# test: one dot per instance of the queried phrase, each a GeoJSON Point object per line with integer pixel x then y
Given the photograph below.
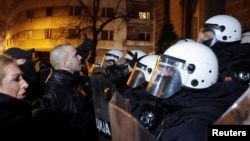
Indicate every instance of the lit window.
{"type": "Point", "coordinates": [107, 35]}
{"type": "Point", "coordinates": [144, 15]}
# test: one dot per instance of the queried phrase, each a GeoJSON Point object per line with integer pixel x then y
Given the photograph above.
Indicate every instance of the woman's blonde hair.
{"type": "Point", "coordinates": [5, 60]}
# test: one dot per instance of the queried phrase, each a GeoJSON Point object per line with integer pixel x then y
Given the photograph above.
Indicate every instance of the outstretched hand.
{"type": "Point", "coordinates": [133, 60]}
{"type": "Point", "coordinates": [85, 47]}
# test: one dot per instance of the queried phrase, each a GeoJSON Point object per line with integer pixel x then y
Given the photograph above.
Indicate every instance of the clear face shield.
{"type": "Point", "coordinates": [108, 60]}
{"type": "Point", "coordinates": [122, 61]}
{"type": "Point", "coordinates": [166, 78]}
{"type": "Point", "coordinates": [137, 77]}
{"type": "Point", "coordinates": [207, 35]}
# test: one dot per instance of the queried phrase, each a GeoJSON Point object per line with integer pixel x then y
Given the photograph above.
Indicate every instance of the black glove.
{"type": "Point", "coordinates": [87, 46]}
{"type": "Point", "coordinates": [133, 60]}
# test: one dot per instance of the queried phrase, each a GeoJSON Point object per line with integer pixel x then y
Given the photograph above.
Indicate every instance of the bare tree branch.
{"type": "Point", "coordinates": [97, 24]}
{"type": "Point", "coordinates": [86, 9]}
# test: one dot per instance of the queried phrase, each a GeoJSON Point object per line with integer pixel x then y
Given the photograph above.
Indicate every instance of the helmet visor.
{"type": "Point", "coordinates": [166, 78]}
{"type": "Point", "coordinates": [207, 37]}
{"type": "Point", "coordinates": [136, 79]}
{"type": "Point", "coordinates": [107, 60]}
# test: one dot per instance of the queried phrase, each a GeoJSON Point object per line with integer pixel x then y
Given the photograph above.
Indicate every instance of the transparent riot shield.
{"type": "Point", "coordinates": [238, 113]}
{"type": "Point", "coordinates": [124, 126]}
{"type": "Point", "coordinates": [102, 91]}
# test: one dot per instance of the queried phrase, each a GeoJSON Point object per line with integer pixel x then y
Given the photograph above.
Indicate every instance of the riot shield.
{"type": "Point", "coordinates": [102, 91]}
{"type": "Point", "coordinates": [238, 113]}
{"type": "Point", "coordinates": [124, 126]}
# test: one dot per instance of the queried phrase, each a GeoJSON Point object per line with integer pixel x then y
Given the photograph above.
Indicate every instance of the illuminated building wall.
{"type": "Point", "coordinates": [42, 24]}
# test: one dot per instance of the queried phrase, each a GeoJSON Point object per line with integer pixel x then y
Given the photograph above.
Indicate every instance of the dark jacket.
{"type": "Point", "coordinates": [16, 121]}
{"type": "Point", "coordinates": [198, 110]}
{"type": "Point", "coordinates": [186, 115]}
{"type": "Point", "coordinates": [228, 55]}
{"type": "Point", "coordinates": [68, 113]}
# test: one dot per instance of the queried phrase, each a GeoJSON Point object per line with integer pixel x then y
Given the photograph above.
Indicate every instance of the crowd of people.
{"type": "Point", "coordinates": [175, 95]}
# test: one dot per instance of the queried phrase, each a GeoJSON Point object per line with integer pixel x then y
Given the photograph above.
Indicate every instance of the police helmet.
{"type": "Point", "coordinates": [113, 55]}
{"type": "Point", "coordinates": [220, 28]}
{"type": "Point", "coordinates": [191, 65]}
{"type": "Point", "coordinates": [142, 71]}
{"type": "Point", "coordinates": [185, 40]}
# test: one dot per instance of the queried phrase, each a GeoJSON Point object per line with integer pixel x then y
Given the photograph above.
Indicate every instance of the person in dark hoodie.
{"type": "Point", "coordinates": [25, 62]}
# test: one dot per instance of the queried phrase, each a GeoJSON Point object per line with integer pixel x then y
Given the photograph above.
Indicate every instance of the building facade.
{"type": "Point", "coordinates": [140, 26]}
{"type": "Point", "coordinates": [42, 24]}
{"type": "Point", "coordinates": [188, 16]}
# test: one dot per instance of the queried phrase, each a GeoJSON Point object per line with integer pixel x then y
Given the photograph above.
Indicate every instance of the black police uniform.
{"type": "Point", "coordinates": [196, 111]}
{"type": "Point", "coordinates": [229, 55]}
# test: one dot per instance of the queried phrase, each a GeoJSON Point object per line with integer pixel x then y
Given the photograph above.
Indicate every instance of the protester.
{"type": "Point", "coordinates": [16, 121]}
{"type": "Point", "coordinates": [66, 112]}
{"type": "Point", "coordinates": [87, 50]}
{"type": "Point", "coordinates": [25, 62]}
{"type": "Point", "coordinates": [42, 66]}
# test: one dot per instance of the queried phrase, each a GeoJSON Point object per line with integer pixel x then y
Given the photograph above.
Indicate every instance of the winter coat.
{"type": "Point", "coordinates": [197, 110]}
{"type": "Point", "coordinates": [16, 121]}
{"type": "Point", "coordinates": [186, 115]}
{"type": "Point", "coordinates": [229, 55]}
{"type": "Point", "coordinates": [68, 113]}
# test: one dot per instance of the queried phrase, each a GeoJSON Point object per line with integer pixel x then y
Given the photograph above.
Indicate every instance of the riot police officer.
{"type": "Point", "coordinates": [144, 106]}
{"type": "Point", "coordinates": [222, 33]}
{"type": "Point", "coordinates": [185, 79]}
{"type": "Point", "coordinates": [183, 96]}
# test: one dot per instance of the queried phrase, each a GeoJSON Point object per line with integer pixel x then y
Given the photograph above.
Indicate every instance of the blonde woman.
{"type": "Point", "coordinates": [16, 120]}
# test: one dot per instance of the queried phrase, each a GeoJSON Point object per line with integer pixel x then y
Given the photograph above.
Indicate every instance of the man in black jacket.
{"type": "Point", "coordinates": [66, 111]}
